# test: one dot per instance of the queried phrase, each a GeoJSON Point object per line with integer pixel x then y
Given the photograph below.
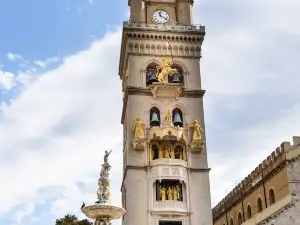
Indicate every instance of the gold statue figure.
{"type": "Point", "coordinates": [178, 192]}
{"type": "Point", "coordinates": [162, 191]}
{"type": "Point", "coordinates": [197, 130]}
{"type": "Point", "coordinates": [165, 70]}
{"type": "Point", "coordinates": [170, 193]}
{"type": "Point", "coordinates": [160, 153]}
{"type": "Point", "coordinates": [175, 193]}
{"type": "Point", "coordinates": [137, 128]}
{"type": "Point", "coordinates": [168, 116]}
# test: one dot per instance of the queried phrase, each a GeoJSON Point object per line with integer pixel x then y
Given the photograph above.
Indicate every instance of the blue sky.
{"type": "Point", "coordinates": [59, 63]}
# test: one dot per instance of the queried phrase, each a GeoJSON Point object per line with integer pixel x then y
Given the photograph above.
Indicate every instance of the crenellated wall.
{"type": "Point", "coordinates": [273, 173]}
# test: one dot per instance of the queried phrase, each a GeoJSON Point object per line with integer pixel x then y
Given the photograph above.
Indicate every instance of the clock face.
{"type": "Point", "coordinates": [160, 16]}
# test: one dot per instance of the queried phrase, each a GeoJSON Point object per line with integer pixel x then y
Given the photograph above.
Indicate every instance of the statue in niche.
{"type": "Point", "coordinates": [170, 193]}
{"type": "Point", "coordinates": [137, 128]}
{"type": "Point", "coordinates": [172, 153]}
{"type": "Point", "coordinates": [162, 191]}
{"type": "Point", "coordinates": [178, 192]}
{"type": "Point", "coordinates": [197, 130]}
{"type": "Point", "coordinates": [152, 154]}
{"type": "Point", "coordinates": [177, 153]}
{"type": "Point", "coordinates": [175, 193]}
{"type": "Point", "coordinates": [160, 153]}
{"type": "Point", "coordinates": [167, 152]}
{"type": "Point", "coordinates": [165, 70]}
{"type": "Point", "coordinates": [168, 116]}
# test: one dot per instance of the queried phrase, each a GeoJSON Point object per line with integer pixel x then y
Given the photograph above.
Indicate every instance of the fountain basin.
{"type": "Point", "coordinates": [103, 211]}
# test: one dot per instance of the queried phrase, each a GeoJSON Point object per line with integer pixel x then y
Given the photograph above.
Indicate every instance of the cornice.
{"type": "Point", "coordinates": [193, 169]}
{"type": "Point", "coordinates": [164, 35]}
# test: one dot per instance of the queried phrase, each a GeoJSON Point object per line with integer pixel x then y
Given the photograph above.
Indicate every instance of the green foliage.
{"type": "Point", "coordinates": [72, 220]}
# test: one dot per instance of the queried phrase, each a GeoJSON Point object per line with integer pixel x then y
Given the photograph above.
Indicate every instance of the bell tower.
{"type": "Point", "coordinates": [165, 170]}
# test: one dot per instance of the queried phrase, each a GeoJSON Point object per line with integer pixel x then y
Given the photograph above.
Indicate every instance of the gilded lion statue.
{"type": "Point", "coordinates": [165, 70]}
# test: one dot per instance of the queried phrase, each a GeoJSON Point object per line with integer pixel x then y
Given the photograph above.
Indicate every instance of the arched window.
{"type": "Point", "coordinates": [178, 77]}
{"type": "Point", "coordinates": [151, 73]}
{"type": "Point", "coordinates": [259, 205]}
{"type": "Point", "coordinates": [231, 222]}
{"type": "Point", "coordinates": [271, 196]}
{"type": "Point", "coordinates": [240, 219]}
{"type": "Point", "coordinates": [154, 117]}
{"type": "Point", "coordinates": [177, 117]}
{"type": "Point", "coordinates": [249, 212]}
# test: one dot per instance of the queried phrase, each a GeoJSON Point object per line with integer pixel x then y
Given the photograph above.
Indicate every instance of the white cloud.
{"type": "Point", "coordinates": [28, 210]}
{"type": "Point", "coordinates": [14, 56]}
{"type": "Point", "coordinates": [46, 62]}
{"type": "Point", "coordinates": [6, 80]}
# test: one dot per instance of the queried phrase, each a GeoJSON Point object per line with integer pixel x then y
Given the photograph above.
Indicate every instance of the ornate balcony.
{"type": "Point", "coordinates": [171, 162]}
{"type": "Point", "coordinates": [168, 133]}
{"type": "Point", "coordinates": [167, 207]}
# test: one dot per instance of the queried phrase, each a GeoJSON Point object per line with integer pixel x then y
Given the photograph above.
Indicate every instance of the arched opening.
{"type": "Point", "coordinates": [259, 205]}
{"type": "Point", "coordinates": [177, 77]}
{"type": "Point", "coordinates": [249, 212]}
{"type": "Point", "coordinates": [155, 152]}
{"type": "Point", "coordinates": [177, 117]}
{"type": "Point", "coordinates": [151, 73]}
{"type": "Point", "coordinates": [271, 196]}
{"type": "Point", "coordinates": [169, 190]}
{"type": "Point", "coordinates": [231, 222]}
{"type": "Point", "coordinates": [240, 219]}
{"type": "Point", "coordinates": [154, 117]}
{"type": "Point", "coordinates": [180, 152]}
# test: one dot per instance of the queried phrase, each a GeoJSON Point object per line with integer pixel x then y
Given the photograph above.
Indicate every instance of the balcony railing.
{"type": "Point", "coordinates": [175, 27]}
{"type": "Point", "coordinates": [170, 206]}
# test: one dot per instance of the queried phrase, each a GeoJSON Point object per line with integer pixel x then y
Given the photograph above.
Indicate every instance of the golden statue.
{"type": "Point", "coordinates": [162, 191]}
{"type": "Point", "coordinates": [168, 116]}
{"type": "Point", "coordinates": [175, 192]}
{"type": "Point", "coordinates": [197, 130]}
{"type": "Point", "coordinates": [172, 154]}
{"type": "Point", "coordinates": [167, 152]}
{"type": "Point", "coordinates": [160, 153]}
{"type": "Point", "coordinates": [170, 193]}
{"type": "Point", "coordinates": [178, 192]}
{"type": "Point", "coordinates": [137, 128]}
{"type": "Point", "coordinates": [165, 70]}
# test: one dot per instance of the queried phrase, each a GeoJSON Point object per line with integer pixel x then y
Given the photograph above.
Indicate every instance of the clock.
{"type": "Point", "coordinates": [160, 16]}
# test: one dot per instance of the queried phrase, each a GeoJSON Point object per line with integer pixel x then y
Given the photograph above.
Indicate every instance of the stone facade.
{"type": "Point", "coordinates": [269, 195]}
{"type": "Point", "coordinates": [144, 44]}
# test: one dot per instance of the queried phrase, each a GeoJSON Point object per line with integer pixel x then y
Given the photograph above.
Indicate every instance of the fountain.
{"type": "Point", "coordinates": [102, 211]}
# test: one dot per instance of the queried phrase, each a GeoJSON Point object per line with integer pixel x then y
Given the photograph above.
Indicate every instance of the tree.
{"type": "Point", "coordinates": [72, 220]}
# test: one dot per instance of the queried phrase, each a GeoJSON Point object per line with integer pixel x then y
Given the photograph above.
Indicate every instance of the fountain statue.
{"type": "Point", "coordinates": [102, 211]}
